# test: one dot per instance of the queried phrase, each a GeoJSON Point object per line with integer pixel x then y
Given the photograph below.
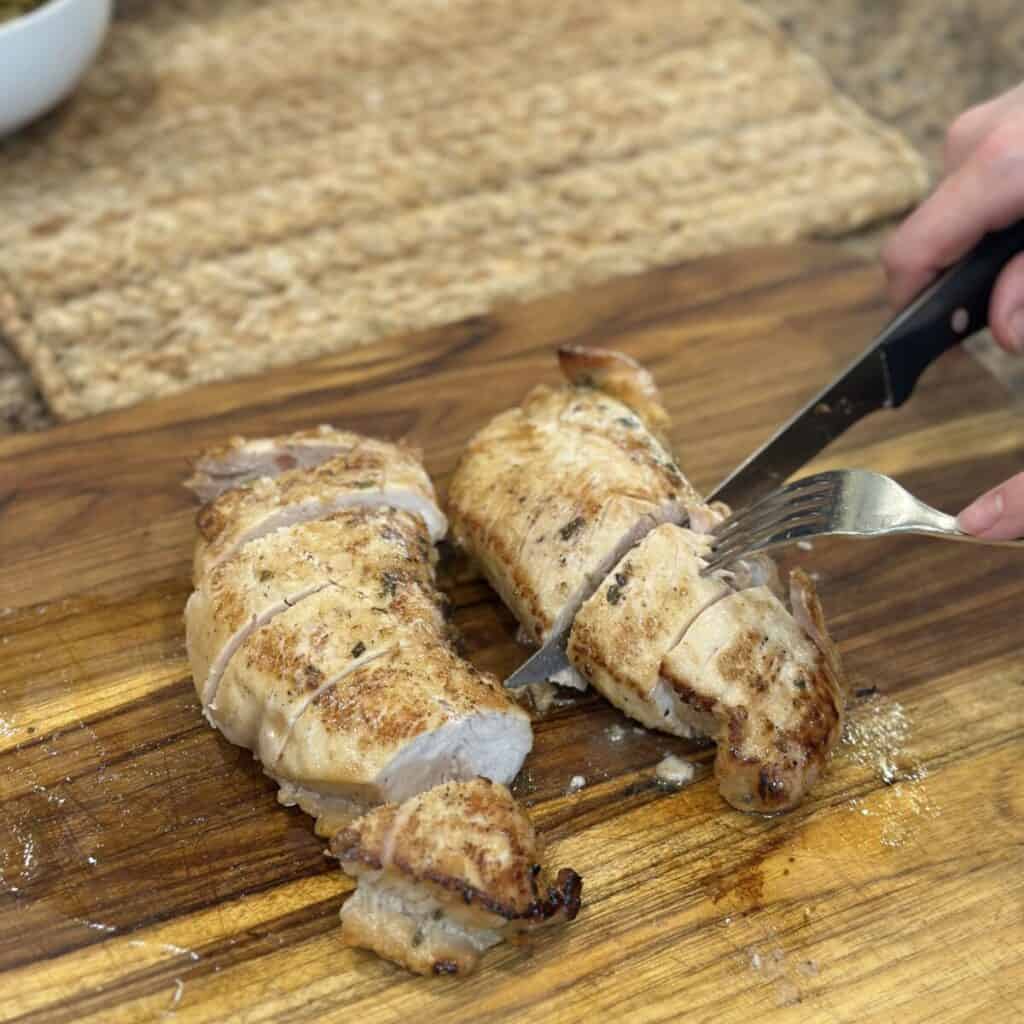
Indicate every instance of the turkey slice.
{"type": "Point", "coordinates": [372, 474]}
{"type": "Point", "coordinates": [445, 876]}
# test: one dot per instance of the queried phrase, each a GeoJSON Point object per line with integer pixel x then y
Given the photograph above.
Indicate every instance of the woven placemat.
{"type": "Point", "coordinates": [245, 184]}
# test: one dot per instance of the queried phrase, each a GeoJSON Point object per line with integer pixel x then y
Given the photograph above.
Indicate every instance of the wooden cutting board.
{"type": "Point", "coordinates": [147, 873]}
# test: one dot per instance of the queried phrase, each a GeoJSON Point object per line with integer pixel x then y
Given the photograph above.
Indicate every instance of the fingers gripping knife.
{"type": "Point", "coordinates": [951, 309]}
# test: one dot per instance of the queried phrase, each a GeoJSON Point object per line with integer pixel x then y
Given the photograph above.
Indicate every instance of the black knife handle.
{"type": "Point", "coordinates": [952, 308]}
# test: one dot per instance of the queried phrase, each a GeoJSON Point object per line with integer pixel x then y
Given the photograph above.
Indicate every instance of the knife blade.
{"type": "Point", "coordinates": [859, 390]}
{"type": "Point", "coordinates": [954, 307]}
{"type": "Point", "coordinates": [545, 664]}
{"type": "Point", "coordinates": [951, 309]}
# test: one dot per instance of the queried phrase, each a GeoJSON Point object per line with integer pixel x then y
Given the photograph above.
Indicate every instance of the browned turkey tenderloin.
{"type": "Point", "coordinates": [321, 645]}
{"type": "Point", "coordinates": [719, 656]}
{"type": "Point", "coordinates": [446, 875]}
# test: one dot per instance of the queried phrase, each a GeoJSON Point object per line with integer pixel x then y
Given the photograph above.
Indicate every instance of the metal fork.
{"type": "Point", "coordinates": [840, 503]}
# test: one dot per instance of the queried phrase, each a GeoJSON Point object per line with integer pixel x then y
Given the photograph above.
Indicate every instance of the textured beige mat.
{"type": "Point", "coordinates": [241, 184]}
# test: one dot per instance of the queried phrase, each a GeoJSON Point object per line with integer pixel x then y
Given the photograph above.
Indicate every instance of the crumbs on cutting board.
{"type": "Point", "coordinates": [18, 864]}
{"type": "Point", "coordinates": [96, 926]}
{"type": "Point", "coordinates": [877, 736]}
{"type": "Point", "coordinates": [179, 988]}
{"type": "Point", "coordinates": [674, 772]}
{"type": "Point", "coordinates": [769, 961]}
{"type": "Point", "coordinates": [615, 733]}
{"type": "Point", "coordinates": [576, 783]}
{"type": "Point", "coordinates": [876, 733]}
{"type": "Point", "coordinates": [167, 947]}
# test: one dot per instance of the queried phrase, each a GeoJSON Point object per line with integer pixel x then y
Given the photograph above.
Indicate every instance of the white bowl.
{"type": "Point", "coordinates": [44, 53]}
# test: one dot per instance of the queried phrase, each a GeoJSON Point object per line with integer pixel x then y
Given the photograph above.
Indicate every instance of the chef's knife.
{"type": "Point", "coordinates": [951, 309]}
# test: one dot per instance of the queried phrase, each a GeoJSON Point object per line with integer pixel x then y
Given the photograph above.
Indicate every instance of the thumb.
{"type": "Point", "coordinates": [998, 514]}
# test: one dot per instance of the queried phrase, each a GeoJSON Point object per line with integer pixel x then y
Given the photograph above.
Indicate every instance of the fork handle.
{"type": "Point", "coordinates": [947, 311]}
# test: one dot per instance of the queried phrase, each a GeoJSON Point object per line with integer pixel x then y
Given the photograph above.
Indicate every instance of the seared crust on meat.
{"type": "Point", "coordinates": [620, 376]}
{"type": "Point", "coordinates": [360, 737]}
{"type": "Point", "coordinates": [282, 666]}
{"type": "Point", "coordinates": [809, 614]}
{"type": "Point", "coordinates": [774, 698]}
{"type": "Point", "coordinates": [350, 549]}
{"type": "Point", "coordinates": [465, 857]}
{"type": "Point", "coordinates": [471, 838]}
{"type": "Point", "coordinates": [547, 496]}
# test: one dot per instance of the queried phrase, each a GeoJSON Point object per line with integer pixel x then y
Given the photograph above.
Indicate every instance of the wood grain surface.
{"type": "Point", "coordinates": [147, 873]}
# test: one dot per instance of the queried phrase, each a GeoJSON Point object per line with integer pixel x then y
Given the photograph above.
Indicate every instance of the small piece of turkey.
{"type": "Point", "coordinates": [243, 459]}
{"type": "Point", "coordinates": [364, 473]}
{"type": "Point", "coordinates": [445, 876]}
{"type": "Point", "coordinates": [547, 497]}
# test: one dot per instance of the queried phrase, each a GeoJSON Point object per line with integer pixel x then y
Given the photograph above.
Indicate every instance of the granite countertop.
{"type": "Point", "coordinates": [913, 63]}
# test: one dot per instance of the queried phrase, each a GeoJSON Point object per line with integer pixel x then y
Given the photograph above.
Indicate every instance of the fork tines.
{"type": "Point", "coordinates": [794, 511]}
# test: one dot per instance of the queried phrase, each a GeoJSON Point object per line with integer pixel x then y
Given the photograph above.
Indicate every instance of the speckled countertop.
{"type": "Point", "coordinates": [913, 63]}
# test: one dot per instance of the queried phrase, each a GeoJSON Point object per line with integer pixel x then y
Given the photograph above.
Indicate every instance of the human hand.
{"type": "Point", "coordinates": [998, 514]}
{"type": "Point", "coordinates": [982, 191]}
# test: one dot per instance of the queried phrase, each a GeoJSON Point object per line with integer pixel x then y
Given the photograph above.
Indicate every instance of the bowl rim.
{"type": "Point", "coordinates": [25, 21]}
